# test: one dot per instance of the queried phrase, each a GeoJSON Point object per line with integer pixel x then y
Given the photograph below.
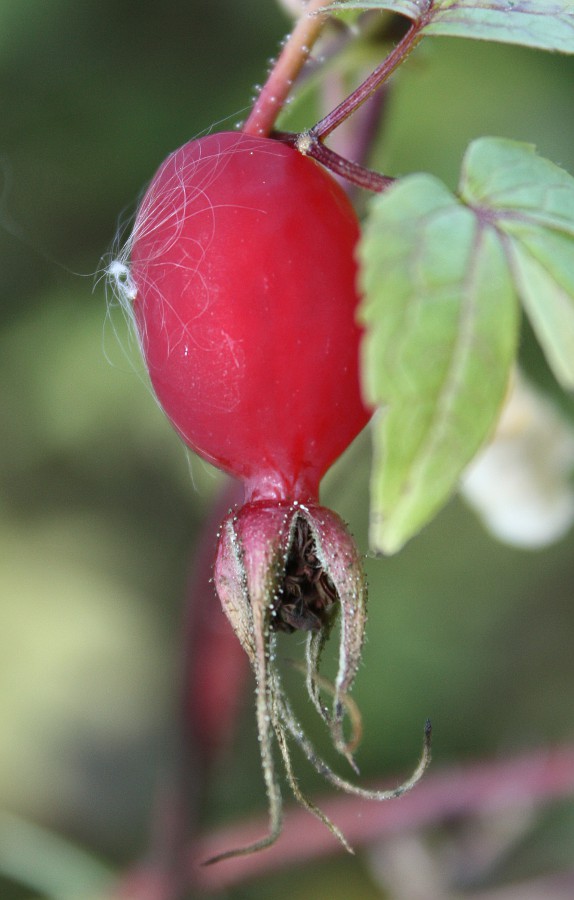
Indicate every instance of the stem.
{"type": "Point", "coordinates": [309, 145]}
{"type": "Point", "coordinates": [498, 786]}
{"type": "Point", "coordinates": [368, 125]}
{"type": "Point", "coordinates": [368, 87]}
{"type": "Point", "coordinates": [291, 60]}
{"type": "Point", "coordinates": [345, 168]}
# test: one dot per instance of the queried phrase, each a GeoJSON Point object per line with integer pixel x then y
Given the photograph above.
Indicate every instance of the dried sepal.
{"type": "Point", "coordinates": [290, 722]}
{"type": "Point", "coordinates": [340, 558]}
{"type": "Point", "coordinates": [354, 718]}
{"type": "Point", "coordinates": [232, 585]}
{"type": "Point", "coordinates": [249, 566]}
{"type": "Point", "coordinates": [287, 567]}
{"type": "Point", "coordinates": [315, 645]}
{"type": "Point", "coordinates": [281, 733]}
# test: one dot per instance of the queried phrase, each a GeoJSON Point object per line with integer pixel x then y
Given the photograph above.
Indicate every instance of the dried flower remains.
{"type": "Point", "coordinates": [292, 567]}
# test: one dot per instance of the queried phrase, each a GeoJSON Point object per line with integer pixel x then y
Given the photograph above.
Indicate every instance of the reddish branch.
{"type": "Point", "coordinates": [274, 93]}
{"type": "Point", "coordinates": [291, 60]}
{"type": "Point", "coordinates": [451, 794]}
{"type": "Point", "coordinates": [458, 792]}
{"type": "Point", "coordinates": [214, 675]}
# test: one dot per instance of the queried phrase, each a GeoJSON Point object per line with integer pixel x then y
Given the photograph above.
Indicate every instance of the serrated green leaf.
{"type": "Point", "coordinates": [441, 276]}
{"type": "Point", "coordinates": [508, 176]}
{"type": "Point", "coordinates": [544, 24]}
{"type": "Point", "coordinates": [531, 202]}
{"type": "Point", "coordinates": [441, 325]}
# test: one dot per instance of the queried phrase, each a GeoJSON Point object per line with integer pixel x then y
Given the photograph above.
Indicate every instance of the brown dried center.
{"type": "Point", "coordinates": [307, 595]}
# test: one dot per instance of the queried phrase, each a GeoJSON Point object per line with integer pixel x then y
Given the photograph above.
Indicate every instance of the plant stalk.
{"type": "Point", "coordinates": [292, 58]}
{"type": "Point", "coordinates": [372, 83]}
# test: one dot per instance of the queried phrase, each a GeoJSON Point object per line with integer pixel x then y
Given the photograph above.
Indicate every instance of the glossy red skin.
{"type": "Point", "coordinates": [243, 261]}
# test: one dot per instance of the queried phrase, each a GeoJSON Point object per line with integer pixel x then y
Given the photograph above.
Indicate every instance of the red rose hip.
{"type": "Point", "coordinates": [243, 282]}
{"type": "Point", "coordinates": [242, 261]}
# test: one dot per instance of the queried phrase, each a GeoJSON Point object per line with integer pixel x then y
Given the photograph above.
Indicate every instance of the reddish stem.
{"type": "Point", "coordinates": [356, 143]}
{"type": "Point", "coordinates": [311, 143]}
{"type": "Point", "coordinates": [276, 89]}
{"type": "Point", "coordinates": [368, 87]}
{"type": "Point", "coordinates": [352, 172]}
{"type": "Point", "coordinates": [214, 676]}
{"type": "Point", "coordinates": [482, 787]}
{"type": "Point", "coordinates": [288, 66]}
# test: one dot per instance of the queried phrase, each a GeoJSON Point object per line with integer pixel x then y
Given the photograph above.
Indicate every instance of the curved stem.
{"type": "Point", "coordinates": [368, 87]}
{"type": "Point", "coordinates": [290, 62]}
{"type": "Point", "coordinates": [494, 786]}
{"type": "Point", "coordinates": [309, 145]}
{"type": "Point", "coordinates": [353, 172]}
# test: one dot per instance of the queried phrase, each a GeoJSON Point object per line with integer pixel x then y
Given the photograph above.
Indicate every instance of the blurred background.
{"type": "Point", "coordinates": [101, 507]}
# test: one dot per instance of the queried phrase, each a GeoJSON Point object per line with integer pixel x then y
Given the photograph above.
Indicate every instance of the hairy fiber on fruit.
{"type": "Point", "coordinates": [242, 262]}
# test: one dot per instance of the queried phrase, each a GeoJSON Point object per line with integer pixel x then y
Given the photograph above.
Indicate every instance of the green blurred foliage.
{"type": "Point", "coordinates": [100, 506]}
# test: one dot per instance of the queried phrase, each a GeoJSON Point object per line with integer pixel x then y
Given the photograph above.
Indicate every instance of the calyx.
{"type": "Point", "coordinates": [294, 567]}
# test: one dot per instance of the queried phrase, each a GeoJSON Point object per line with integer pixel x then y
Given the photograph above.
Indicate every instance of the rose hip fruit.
{"type": "Point", "coordinates": [243, 282]}
{"type": "Point", "coordinates": [242, 261]}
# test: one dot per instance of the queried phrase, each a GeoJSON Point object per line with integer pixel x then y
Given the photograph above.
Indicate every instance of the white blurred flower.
{"type": "Point", "coordinates": [520, 484]}
{"type": "Point", "coordinates": [293, 7]}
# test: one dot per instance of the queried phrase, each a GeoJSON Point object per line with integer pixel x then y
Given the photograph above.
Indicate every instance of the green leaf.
{"type": "Point", "coordinates": [544, 24]}
{"type": "Point", "coordinates": [412, 9]}
{"type": "Point", "coordinates": [441, 277]}
{"type": "Point", "coordinates": [441, 323]}
{"type": "Point", "coordinates": [508, 175]}
{"type": "Point", "coordinates": [552, 319]}
{"type": "Point", "coordinates": [531, 200]}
